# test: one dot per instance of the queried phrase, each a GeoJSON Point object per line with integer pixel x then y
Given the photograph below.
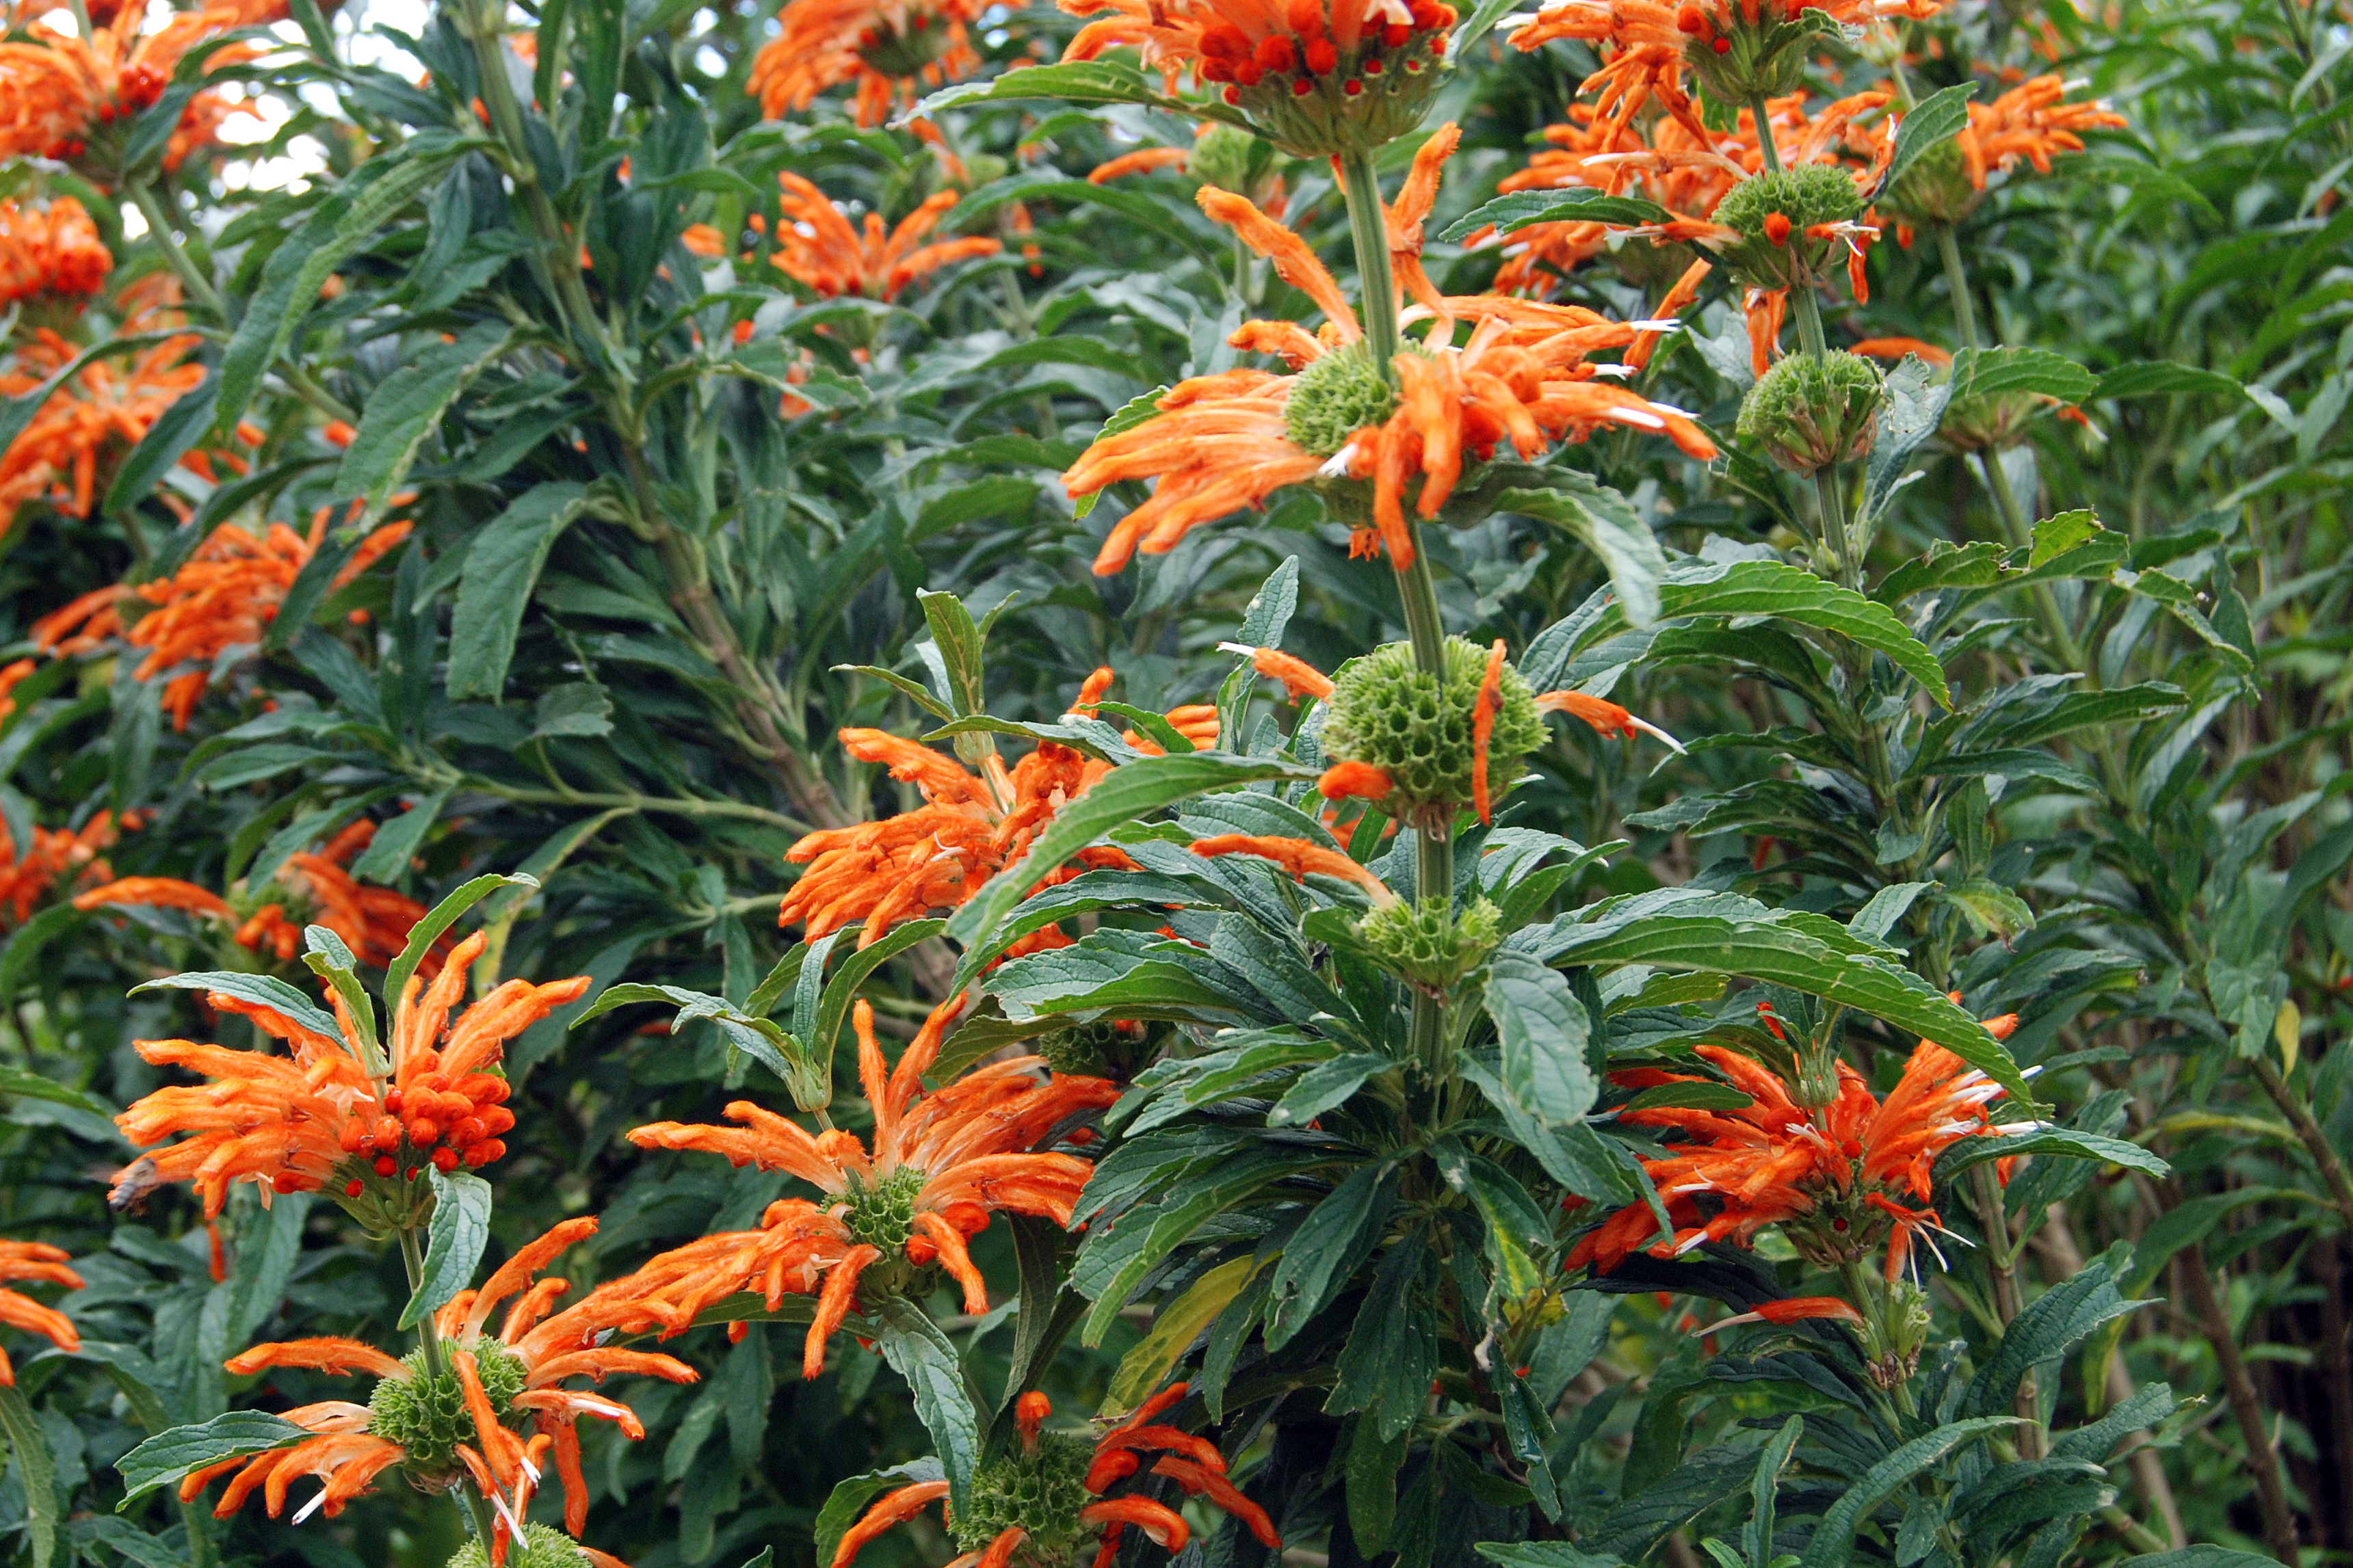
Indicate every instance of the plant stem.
{"type": "Point", "coordinates": [2001, 1271]}
{"type": "Point", "coordinates": [2279, 1523]}
{"type": "Point", "coordinates": [2308, 1132]}
{"type": "Point", "coordinates": [437, 1363]}
{"type": "Point", "coordinates": [1964, 315]}
{"type": "Point", "coordinates": [1417, 591]}
{"type": "Point", "coordinates": [160, 230]}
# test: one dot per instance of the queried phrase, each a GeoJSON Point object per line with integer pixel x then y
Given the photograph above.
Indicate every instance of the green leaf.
{"type": "Point", "coordinates": [387, 858]}
{"type": "Point", "coordinates": [1994, 373]}
{"type": "Point", "coordinates": [1334, 1240]}
{"type": "Point", "coordinates": [2158, 378]}
{"type": "Point", "coordinates": [327, 957]}
{"type": "Point", "coordinates": [439, 919]}
{"type": "Point", "coordinates": [1071, 81]}
{"type": "Point", "coordinates": [454, 1242]}
{"type": "Point", "coordinates": [274, 994]}
{"type": "Point", "coordinates": [25, 942]}
{"type": "Point", "coordinates": [166, 442]}
{"type": "Point", "coordinates": [840, 991]}
{"type": "Point", "coordinates": [30, 1085]}
{"type": "Point", "coordinates": [1609, 525]}
{"type": "Point", "coordinates": [168, 1455]}
{"type": "Point", "coordinates": [1127, 793]}
{"type": "Point", "coordinates": [918, 1352]}
{"type": "Point", "coordinates": [502, 567]}
{"type": "Point", "coordinates": [1833, 1539]}
{"type": "Point", "coordinates": [1174, 1328]}
{"type": "Point", "coordinates": [1374, 1462]}
{"type": "Point", "coordinates": [958, 640]}
{"type": "Point", "coordinates": [1931, 121]}
{"type": "Point", "coordinates": [1544, 1031]}
{"type": "Point", "coordinates": [2049, 1327]}
{"type": "Point", "coordinates": [1756, 1536]}
{"type": "Point", "coordinates": [853, 1494]}
{"type": "Point", "coordinates": [2200, 1557]}
{"type": "Point", "coordinates": [762, 1039]}
{"type": "Point", "coordinates": [36, 1469]}
{"type": "Point", "coordinates": [251, 764]}
{"type": "Point", "coordinates": [1522, 209]}
{"type": "Point", "coordinates": [406, 408]}
{"type": "Point", "coordinates": [2061, 1141]}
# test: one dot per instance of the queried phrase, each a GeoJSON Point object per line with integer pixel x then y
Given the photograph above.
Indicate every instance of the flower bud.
{"type": "Point", "coordinates": [1416, 728]}
{"type": "Point", "coordinates": [1937, 189]}
{"type": "Point", "coordinates": [1232, 159]}
{"type": "Point", "coordinates": [1773, 214]}
{"type": "Point", "coordinates": [1738, 54]}
{"type": "Point", "coordinates": [1430, 944]}
{"type": "Point", "coordinates": [1314, 98]}
{"type": "Point", "coordinates": [1808, 412]}
{"type": "Point", "coordinates": [1335, 396]}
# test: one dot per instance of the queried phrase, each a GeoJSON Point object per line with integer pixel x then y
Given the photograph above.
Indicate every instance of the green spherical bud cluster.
{"type": "Point", "coordinates": [541, 1546]}
{"type": "Point", "coordinates": [1108, 1048]}
{"type": "Point", "coordinates": [904, 54]}
{"type": "Point", "coordinates": [1735, 61]}
{"type": "Point", "coordinates": [1430, 943]}
{"type": "Point", "coordinates": [1041, 1492]}
{"type": "Point", "coordinates": [1771, 212]}
{"type": "Point", "coordinates": [426, 1414]}
{"type": "Point", "coordinates": [1987, 422]}
{"type": "Point", "coordinates": [1416, 727]}
{"type": "Point", "coordinates": [883, 1216]}
{"type": "Point", "coordinates": [1231, 159]}
{"type": "Point", "coordinates": [1935, 189]}
{"type": "Point", "coordinates": [1335, 397]}
{"type": "Point", "coordinates": [1808, 412]}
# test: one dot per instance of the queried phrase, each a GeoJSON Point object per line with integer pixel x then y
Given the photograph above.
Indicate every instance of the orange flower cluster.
{"type": "Point", "coordinates": [22, 1260]}
{"type": "Point", "coordinates": [818, 247]}
{"type": "Point", "coordinates": [1193, 1463]}
{"type": "Point", "coordinates": [57, 88]}
{"type": "Point", "coordinates": [941, 1163]}
{"type": "Point", "coordinates": [57, 455]}
{"type": "Point", "coordinates": [1224, 442]}
{"type": "Point", "coordinates": [1832, 1178]}
{"type": "Point", "coordinates": [2031, 122]}
{"type": "Point", "coordinates": [544, 1351]}
{"type": "Point", "coordinates": [374, 923]}
{"type": "Point", "coordinates": [57, 853]}
{"type": "Point", "coordinates": [317, 1116]}
{"type": "Point", "coordinates": [225, 596]}
{"type": "Point", "coordinates": [886, 47]}
{"type": "Point", "coordinates": [52, 250]}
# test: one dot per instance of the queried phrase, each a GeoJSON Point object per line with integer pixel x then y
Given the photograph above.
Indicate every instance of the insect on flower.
{"type": "Point", "coordinates": [441, 1414]}
{"type": "Point", "coordinates": [1038, 1505]}
{"type": "Point", "coordinates": [28, 1260]}
{"type": "Point", "coordinates": [939, 1164]}
{"type": "Point", "coordinates": [317, 1118]}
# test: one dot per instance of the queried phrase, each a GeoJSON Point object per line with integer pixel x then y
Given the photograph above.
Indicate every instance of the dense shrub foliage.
{"type": "Point", "coordinates": [1240, 780]}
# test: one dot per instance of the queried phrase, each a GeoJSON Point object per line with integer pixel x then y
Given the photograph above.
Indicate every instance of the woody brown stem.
{"type": "Point", "coordinates": [2197, 1285]}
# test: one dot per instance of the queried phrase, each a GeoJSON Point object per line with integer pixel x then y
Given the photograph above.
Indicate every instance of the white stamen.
{"type": "Point", "coordinates": [1671, 408]}
{"type": "Point", "coordinates": [1516, 21]}
{"type": "Point", "coordinates": [2075, 84]}
{"type": "Point", "coordinates": [1654, 733]}
{"type": "Point", "coordinates": [1669, 324]}
{"type": "Point", "coordinates": [1642, 418]}
{"type": "Point", "coordinates": [1242, 649]}
{"type": "Point", "coordinates": [1337, 465]}
{"type": "Point", "coordinates": [1617, 372]}
{"type": "Point", "coordinates": [308, 1508]}
{"type": "Point", "coordinates": [528, 1468]}
{"type": "Point", "coordinates": [515, 1525]}
{"type": "Point", "coordinates": [2010, 1129]}
{"type": "Point", "coordinates": [1698, 1239]}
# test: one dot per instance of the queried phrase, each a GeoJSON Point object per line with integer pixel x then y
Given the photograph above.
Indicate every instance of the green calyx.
{"type": "Point", "coordinates": [426, 1414]}
{"type": "Point", "coordinates": [891, 53]}
{"type": "Point", "coordinates": [1737, 61]}
{"type": "Point", "coordinates": [1108, 1048]}
{"type": "Point", "coordinates": [1335, 397]}
{"type": "Point", "coordinates": [1430, 943]}
{"type": "Point", "coordinates": [1039, 1491]}
{"type": "Point", "coordinates": [883, 1216]}
{"type": "Point", "coordinates": [1987, 422]}
{"type": "Point", "coordinates": [1416, 727]}
{"type": "Point", "coordinates": [1231, 159]}
{"type": "Point", "coordinates": [1935, 189]}
{"type": "Point", "coordinates": [1770, 255]}
{"type": "Point", "coordinates": [541, 1546]}
{"type": "Point", "coordinates": [1808, 412]}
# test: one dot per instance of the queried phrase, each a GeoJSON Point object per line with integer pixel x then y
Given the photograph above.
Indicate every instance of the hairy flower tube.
{"type": "Point", "coordinates": [2032, 122]}
{"type": "Point", "coordinates": [885, 46]}
{"type": "Point", "coordinates": [51, 251]}
{"type": "Point", "coordinates": [1038, 1505]}
{"type": "Point", "coordinates": [24, 1261]}
{"type": "Point", "coordinates": [1220, 444]}
{"type": "Point", "coordinates": [318, 1118]}
{"type": "Point", "coordinates": [937, 1167]}
{"type": "Point", "coordinates": [819, 248]}
{"type": "Point", "coordinates": [1836, 1179]}
{"type": "Point", "coordinates": [226, 596]}
{"type": "Point", "coordinates": [1319, 79]}
{"type": "Point", "coordinates": [373, 922]}
{"type": "Point", "coordinates": [442, 1414]}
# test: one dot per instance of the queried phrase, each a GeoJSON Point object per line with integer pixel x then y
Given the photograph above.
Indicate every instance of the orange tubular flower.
{"type": "Point", "coordinates": [1142, 161]}
{"type": "Point", "coordinates": [1833, 1178]}
{"type": "Point", "coordinates": [1299, 857]}
{"type": "Point", "coordinates": [54, 251]}
{"type": "Point", "coordinates": [817, 246]}
{"type": "Point", "coordinates": [1193, 1463]}
{"type": "Point", "coordinates": [25, 880]}
{"type": "Point", "coordinates": [940, 1164]}
{"type": "Point", "coordinates": [1795, 1309]}
{"type": "Point", "coordinates": [1299, 677]}
{"type": "Point", "coordinates": [318, 1117]}
{"type": "Point", "coordinates": [105, 407]}
{"type": "Point", "coordinates": [226, 596]}
{"type": "Point", "coordinates": [55, 88]}
{"type": "Point", "coordinates": [2029, 121]}
{"type": "Point", "coordinates": [1223, 443]}
{"type": "Point", "coordinates": [1603, 715]}
{"type": "Point", "coordinates": [1360, 780]}
{"type": "Point", "coordinates": [886, 47]}
{"type": "Point", "coordinates": [1896, 348]}
{"type": "Point", "coordinates": [493, 1380]}
{"type": "Point", "coordinates": [22, 1260]}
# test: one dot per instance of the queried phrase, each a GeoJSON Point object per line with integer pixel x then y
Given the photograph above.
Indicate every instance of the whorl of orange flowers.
{"type": "Point", "coordinates": [1193, 1463]}
{"type": "Point", "coordinates": [1835, 1179]}
{"type": "Point", "coordinates": [533, 1354]}
{"type": "Point", "coordinates": [317, 1117]}
{"type": "Point", "coordinates": [969, 827]}
{"type": "Point", "coordinates": [225, 596]}
{"type": "Point", "coordinates": [374, 923]}
{"type": "Point", "coordinates": [102, 408]}
{"type": "Point", "coordinates": [939, 1164]}
{"type": "Point", "coordinates": [57, 853]}
{"type": "Point", "coordinates": [1223, 443]}
{"type": "Point", "coordinates": [50, 250]}
{"type": "Point", "coordinates": [56, 88]}
{"type": "Point", "coordinates": [817, 246]}
{"type": "Point", "coordinates": [27, 1260]}
{"type": "Point", "coordinates": [886, 47]}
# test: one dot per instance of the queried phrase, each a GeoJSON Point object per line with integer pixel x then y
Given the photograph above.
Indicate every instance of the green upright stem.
{"type": "Point", "coordinates": [1434, 847]}
{"type": "Point", "coordinates": [159, 228]}
{"type": "Point", "coordinates": [1956, 277]}
{"type": "Point", "coordinates": [437, 1363]}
